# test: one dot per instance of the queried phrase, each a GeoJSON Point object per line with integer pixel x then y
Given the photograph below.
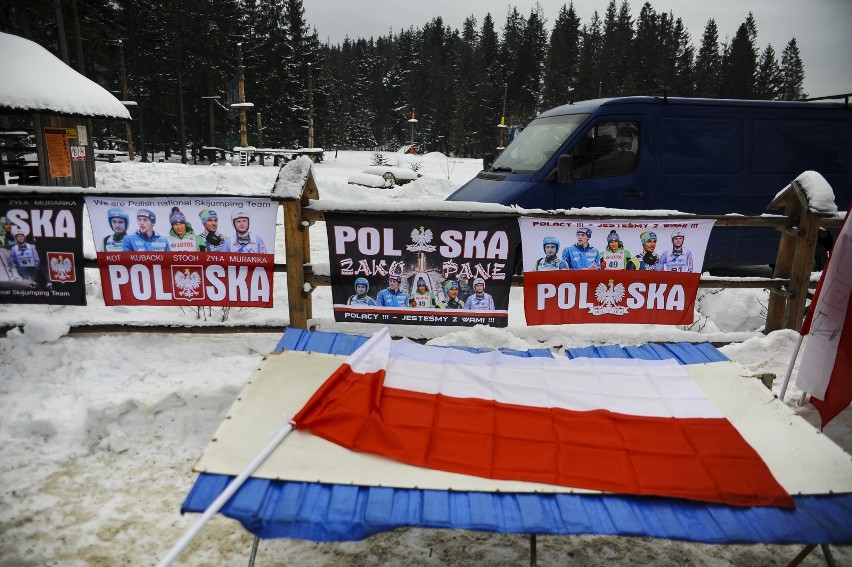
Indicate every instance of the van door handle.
{"type": "Point", "coordinates": [633, 194]}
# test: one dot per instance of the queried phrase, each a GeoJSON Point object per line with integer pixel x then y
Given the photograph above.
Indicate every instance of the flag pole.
{"type": "Point", "coordinates": [223, 498]}
{"type": "Point", "coordinates": [790, 366]}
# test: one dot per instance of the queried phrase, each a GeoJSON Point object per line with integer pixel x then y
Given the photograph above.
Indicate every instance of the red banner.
{"type": "Point", "coordinates": [609, 296]}
{"type": "Point", "coordinates": [187, 278]}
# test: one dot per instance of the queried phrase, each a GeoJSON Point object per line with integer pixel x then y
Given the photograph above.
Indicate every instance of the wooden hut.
{"type": "Point", "coordinates": [46, 112]}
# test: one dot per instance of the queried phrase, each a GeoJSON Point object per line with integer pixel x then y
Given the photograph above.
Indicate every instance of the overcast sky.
{"type": "Point", "coordinates": [821, 27]}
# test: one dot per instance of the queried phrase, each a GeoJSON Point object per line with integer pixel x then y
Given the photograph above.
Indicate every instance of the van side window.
{"type": "Point", "coordinates": [608, 149]}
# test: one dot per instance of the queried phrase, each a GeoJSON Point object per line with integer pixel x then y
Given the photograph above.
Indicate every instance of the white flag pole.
{"type": "Point", "coordinates": [223, 498]}
{"type": "Point", "coordinates": [790, 366]}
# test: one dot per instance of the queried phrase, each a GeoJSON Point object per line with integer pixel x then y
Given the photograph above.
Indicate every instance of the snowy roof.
{"type": "Point", "coordinates": [35, 79]}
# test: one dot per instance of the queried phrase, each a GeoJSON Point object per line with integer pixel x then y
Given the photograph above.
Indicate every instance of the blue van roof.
{"type": "Point", "coordinates": [588, 106]}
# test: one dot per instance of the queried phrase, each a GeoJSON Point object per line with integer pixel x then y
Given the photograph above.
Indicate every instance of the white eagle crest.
{"type": "Point", "coordinates": [421, 239]}
{"type": "Point", "coordinates": [61, 267]}
{"type": "Point", "coordinates": [188, 283]}
{"type": "Point", "coordinates": [611, 295]}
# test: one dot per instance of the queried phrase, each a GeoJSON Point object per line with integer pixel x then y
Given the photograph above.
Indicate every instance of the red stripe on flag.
{"type": "Point", "coordinates": [698, 459]}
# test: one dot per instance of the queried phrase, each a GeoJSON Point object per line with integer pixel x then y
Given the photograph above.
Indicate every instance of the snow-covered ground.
{"type": "Point", "coordinates": [99, 433]}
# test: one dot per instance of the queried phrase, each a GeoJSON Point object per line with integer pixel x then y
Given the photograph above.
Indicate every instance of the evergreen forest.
{"type": "Point", "coordinates": [172, 56]}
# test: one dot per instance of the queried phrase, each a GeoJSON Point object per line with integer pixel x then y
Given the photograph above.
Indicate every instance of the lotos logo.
{"type": "Point", "coordinates": [61, 266]}
{"type": "Point", "coordinates": [188, 282]}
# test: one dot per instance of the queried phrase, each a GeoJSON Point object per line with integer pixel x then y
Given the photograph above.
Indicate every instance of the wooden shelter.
{"type": "Point", "coordinates": [46, 112]}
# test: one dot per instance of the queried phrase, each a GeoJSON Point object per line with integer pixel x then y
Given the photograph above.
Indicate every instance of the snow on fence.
{"type": "Point", "coordinates": [296, 191]}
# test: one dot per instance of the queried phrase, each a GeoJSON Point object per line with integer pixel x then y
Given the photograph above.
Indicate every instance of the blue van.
{"type": "Point", "coordinates": [703, 156]}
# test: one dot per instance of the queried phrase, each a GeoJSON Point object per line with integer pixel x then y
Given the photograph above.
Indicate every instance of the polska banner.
{"type": "Point", "coordinates": [216, 251]}
{"type": "Point", "coordinates": [41, 252]}
{"type": "Point", "coordinates": [423, 271]}
{"type": "Point", "coordinates": [580, 271]}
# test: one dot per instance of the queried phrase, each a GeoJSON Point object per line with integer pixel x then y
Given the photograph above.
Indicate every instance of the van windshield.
{"type": "Point", "coordinates": [537, 143]}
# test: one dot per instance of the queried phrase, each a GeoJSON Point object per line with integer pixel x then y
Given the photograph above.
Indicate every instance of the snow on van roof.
{"type": "Point", "coordinates": [35, 79]}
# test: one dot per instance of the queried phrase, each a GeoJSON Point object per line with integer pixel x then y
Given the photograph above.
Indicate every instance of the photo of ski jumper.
{"type": "Point", "coordinates": [24, 256]}
{"type": "Point", "coordinates": [479, 300]}
{"type": "Point", "coordinates": [648, 258]}
{"type": "Point", "coordinates": [451, 290]}
{"type": "Point", "coordinates": [422, 296]}
{"type": "Point", "coordinates": [392, 296]}
{"type": "Point", "coordinates": [678, 259]}
{"type": "Point", "coordinates": [182, 237]}
{"type": "Point", "coordinates": [360, 297]}
{"type": "Point", "coordinates": [213, 240]}
{"type": "Point", "coordinates": [582, 256]}
{"type": "Point", "coordinates": [6, 228]}
{"type": "Point", "coordinates": [145, 239]}
{"type": "Point", "coordinates": [615, 256]}
{"type": "Point", "coordinates": [551, 260]}
{"type": "Point", "coordinates": [244, 241]}
{"type": "Point", "coordinates": [118, 221]}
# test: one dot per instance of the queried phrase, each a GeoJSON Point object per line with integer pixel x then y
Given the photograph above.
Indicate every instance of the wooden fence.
{"type": "Point", "coordinates": [788, 287]}
{"type": "Point", "coordinates": [799, 227]}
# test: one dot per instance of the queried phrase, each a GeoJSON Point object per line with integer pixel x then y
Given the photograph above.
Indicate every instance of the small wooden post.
{"type": "Point", "coordinates": [295, 263]}
{"type": "Point", "coordinates": [298, 243]}
{"type": "Point", "coordinates": [795, 259]}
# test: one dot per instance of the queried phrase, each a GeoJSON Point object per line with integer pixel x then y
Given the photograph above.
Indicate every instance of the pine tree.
{"type": "Point", "coordinates": [793, 73]}
{"type": "Point", "coordinates": [530, 68]}
{"type": "Point", "coordinates": [769, 80]}
{"type": "Point", "coordinates": [614, 60]}
{"type": "Point", "coordinates": [645, 64]}
{"type": "Point", "coordinates": [589, 73]}
{"type": "Point", "coordinates": [708, 63]}
{"type": "Point", "coordinates": [490, 93]}
{"type": "Point", "coordinates": [740, 65]}
{"type": "Point", "coordinates": [563, 53]}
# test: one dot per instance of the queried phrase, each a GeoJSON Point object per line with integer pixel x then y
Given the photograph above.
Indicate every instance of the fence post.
{"type": "Point", "coordinates": [795, 259]}
{"type": "Point", "coordinates": [298, 243]}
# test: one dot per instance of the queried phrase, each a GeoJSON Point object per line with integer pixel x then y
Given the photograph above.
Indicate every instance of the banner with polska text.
{"type": "Point", "coordinates": [421, 271]}
{"type": "Point", "coordinates": [185, 250]}
{"type": "Point", "coordinates": [612, 271]}
{"type": "Point", "coordinates": [41, 251]}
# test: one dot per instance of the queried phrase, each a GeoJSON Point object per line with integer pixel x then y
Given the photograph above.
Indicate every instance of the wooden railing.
{"type": "Point", "coordinates": [788, 287]}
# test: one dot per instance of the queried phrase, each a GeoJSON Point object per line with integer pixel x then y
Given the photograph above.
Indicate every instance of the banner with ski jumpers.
{"type": "Point", "coordinates": [581, 271]}
{"type": "Point", "coordinates": [421, 271]}
{"type": "Point", "coordinates": [41, 251]}
{"type": "Point", "coordinates": [199, 251]}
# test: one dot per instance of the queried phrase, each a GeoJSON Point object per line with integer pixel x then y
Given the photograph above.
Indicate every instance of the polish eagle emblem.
{"type": "Point", "coordinates": [421, 239]}
{"type": "Point", "coordinates": [609, 296]}
{"type": "Point", "coordinates": [188, 282]}
{"type": "Point", "coordinates": [61, 267]}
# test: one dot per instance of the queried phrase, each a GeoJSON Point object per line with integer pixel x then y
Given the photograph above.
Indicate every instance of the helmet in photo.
{"type": "Point", "coordinates": [550, 240]}
{"type": "Point", "coordinates": [677, 233]}
{"type": "Point", "coordinates": [239, 214]}
{"type": "Point", "coordinates": [16, 230]}
{"type": "Point", "coordinates": [364, 282]}
{"type": "Point", "coordinates": [477, 281]}
{"type": "Point", "coordinates": [613, 237]}
{"type": "Point", "coordinates": [646, 236]}
{"type": "Point", "coordinates": [116, 213]}
{"type": "Point", "coordinates": [450, 284]}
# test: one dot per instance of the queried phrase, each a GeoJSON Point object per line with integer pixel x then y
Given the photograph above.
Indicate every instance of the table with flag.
{"type": "Point", "coordinates": [608, 464]}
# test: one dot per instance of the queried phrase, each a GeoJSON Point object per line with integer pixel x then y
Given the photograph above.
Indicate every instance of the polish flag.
{"type": "Point", "coordinates": [625, 426]}
{"type": "Point", "coordinates": [825, 369]}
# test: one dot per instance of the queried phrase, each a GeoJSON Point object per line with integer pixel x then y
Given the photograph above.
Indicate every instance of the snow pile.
{"type": "Point", "coordinates": [99, 433]}
{"type": "Point", "coordinates": [35, 79]}
{"type": "Point", "coordinates": [291, 178]}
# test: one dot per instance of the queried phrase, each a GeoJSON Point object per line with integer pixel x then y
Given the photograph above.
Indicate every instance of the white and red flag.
{"type": "Point", "coordinates": [625, 426]}
{"type": "Point", "coordinates": [825, 370]}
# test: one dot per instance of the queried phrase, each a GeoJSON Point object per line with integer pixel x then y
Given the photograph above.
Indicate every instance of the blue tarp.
{"type": "Point", "coordinates": [331, 512]}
